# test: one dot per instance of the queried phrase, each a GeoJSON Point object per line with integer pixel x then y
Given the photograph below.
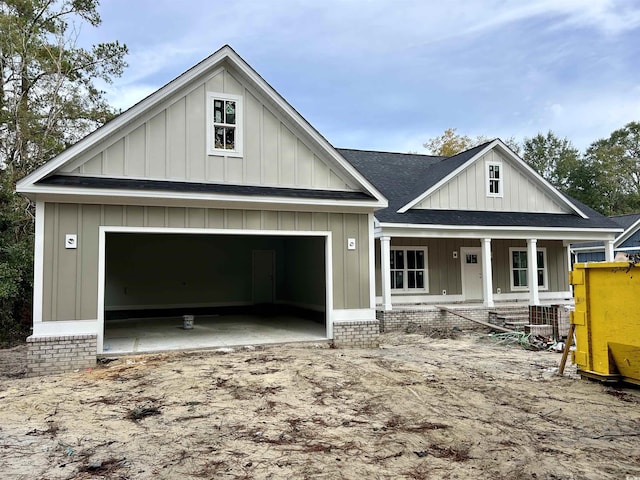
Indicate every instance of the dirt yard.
{"type": "Point", "coordinates": [418, 407]}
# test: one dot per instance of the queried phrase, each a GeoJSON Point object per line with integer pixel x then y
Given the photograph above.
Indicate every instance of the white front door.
{"type": "Point", "coordinates": [471, 262]}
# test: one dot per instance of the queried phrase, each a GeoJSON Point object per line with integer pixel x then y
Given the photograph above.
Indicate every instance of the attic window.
{"type": "Point", "coordinates": [494, 179]}
{"type": "Point", "coordinates": [224, 124]}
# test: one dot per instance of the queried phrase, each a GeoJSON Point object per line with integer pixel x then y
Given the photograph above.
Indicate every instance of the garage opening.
{"type": "Point", "coordinates": [240, 290]}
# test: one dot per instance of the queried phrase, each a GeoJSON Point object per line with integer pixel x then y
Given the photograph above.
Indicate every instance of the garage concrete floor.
{"type": "Point", "coordinates": [162, 334]}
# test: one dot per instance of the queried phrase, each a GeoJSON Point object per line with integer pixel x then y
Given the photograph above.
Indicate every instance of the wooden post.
{"type": "Point", "coordinates": [567, 346]}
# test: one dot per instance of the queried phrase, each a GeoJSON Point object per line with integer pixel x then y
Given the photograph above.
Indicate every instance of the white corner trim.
{"type": "Point", "coordinates": [38, 265]}
{"type": "Point", "coordinates": [354, 315]}
{"type": "Point", "coordinates": [372, 264]}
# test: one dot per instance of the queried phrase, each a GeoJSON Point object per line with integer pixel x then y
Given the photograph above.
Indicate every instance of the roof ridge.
{"type": "Point", "coordinates": [390, 153]}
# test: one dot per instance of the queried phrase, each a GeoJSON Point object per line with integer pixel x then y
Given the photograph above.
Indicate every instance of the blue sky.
{"type": "Point", "coordinates": [388, 75]}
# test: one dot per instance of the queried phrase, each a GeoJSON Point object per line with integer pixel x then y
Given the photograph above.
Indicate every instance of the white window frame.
{"type": "Point", "coordinates": [499, 180]}
{"type": "Point", "coordinates": [545, 269]}
{"type": "Point", "coordinates": [406, 269]}
{"type": "Point", "coordinates": [211, 150]}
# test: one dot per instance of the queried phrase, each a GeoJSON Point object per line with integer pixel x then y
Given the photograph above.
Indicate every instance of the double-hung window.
{"type": "Point", "coordinates": [224, 124]}
{"type": "Point", "coordinates": [494, 179]}
{"type": "Point", "coordinates": [519, 265]}
{"type": "Point", "coordinates": [409, 269]}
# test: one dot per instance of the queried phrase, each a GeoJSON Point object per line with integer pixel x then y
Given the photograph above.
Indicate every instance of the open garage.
{"type": "Point", "coordinates": [240, 289]}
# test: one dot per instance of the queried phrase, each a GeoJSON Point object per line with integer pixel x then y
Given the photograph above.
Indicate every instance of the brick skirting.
{"type": "Point", "coordinates": [59, 354]}
{"type": "Point", "coordinates": [357, 334]}
{"type": "Point", "coordinates": [431, 319]}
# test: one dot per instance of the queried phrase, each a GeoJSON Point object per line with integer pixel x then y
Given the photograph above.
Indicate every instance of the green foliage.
{"type": "Point", "coordinates": [451, 143]}
{"type": "Point", "coordinates": [48, 101]}
{"type": "Point", "coordinates": [553, 158]}
{"type": "Point", "coordinates": [614, 166]}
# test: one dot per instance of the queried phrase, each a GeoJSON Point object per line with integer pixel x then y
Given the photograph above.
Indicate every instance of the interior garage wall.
{"type": "Point", "coordinates": [70, 276]}
{"type": "Point", "coordinates": [173, 270]}
{"type": "Point", "coordinates": [303, 279]}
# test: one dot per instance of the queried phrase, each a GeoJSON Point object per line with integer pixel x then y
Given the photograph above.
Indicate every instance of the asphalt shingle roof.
{"type": "Point", "coordinates": [402, 177]}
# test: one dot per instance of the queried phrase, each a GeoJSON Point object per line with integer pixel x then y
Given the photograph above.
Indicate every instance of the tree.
{"type": "Point", "coordinates": [615, 166]}
{"type": "Point", "coordinates": [553, 158]}
{"type": "Point", "coordinates": [48, 101]}
{"type": "Point", "coordinates": [451, 143]}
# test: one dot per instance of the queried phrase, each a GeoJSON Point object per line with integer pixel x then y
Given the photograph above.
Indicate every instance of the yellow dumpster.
{"type": "Point", "coordinates": [607, 320]}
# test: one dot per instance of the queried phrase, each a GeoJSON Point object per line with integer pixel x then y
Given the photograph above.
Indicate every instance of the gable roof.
{"type": "Point", "coordinates": [457, 163]}
{"type": "Point", "coordinates": [406, 178]}
{"type": "Point", "coordinates": [34, 183]}
{"type": "Point", "coordinates": [631, 224]}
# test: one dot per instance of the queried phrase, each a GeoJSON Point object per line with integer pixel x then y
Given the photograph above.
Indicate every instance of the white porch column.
{"type": "Point", "coordinates": [385, 272]}
{"type": "Point", "coordinates": [532, 271]}
{"type": "Point", "coordinates": [570, 265]}
{"type": "Point", "coordinates": [608, 251]}
{"type": "Point", "coordinates": [487, 276]}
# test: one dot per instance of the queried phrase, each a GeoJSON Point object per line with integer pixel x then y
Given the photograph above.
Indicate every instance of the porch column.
{"type": "Point", "coordinates": [570, 265]}
{"type": "Point", "coordinates": [487, 276]}
{"type": "Point", "coordinates": [532, 271]}
{"type": "Point", "coordinates": [385, 272]}
{"type": "Point", "coordinates": [608, 251]}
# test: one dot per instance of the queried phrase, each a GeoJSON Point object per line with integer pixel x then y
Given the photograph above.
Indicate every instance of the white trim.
{"type": "Point", "coordinates": [487, 273]}
{"type": "Point", "coordinates": [544, 287]}
{"type": "Point", "coordinates": [372, 263]}
{"type": "Point", "coordinates": [487, 167]}
{"type": "Point", "coordinates": [328, 258]}
{"type": "Point", "coordinates": [401, 301]}
{"type": "Point", "coordinates": [226, 53]}
{"type": "Point", "coordinates": [385, 272]}
{"type": "Point", "coordinates": [624, 236]}
{"type": "Point", "coordinates": [38, 265]}
{"type": "Point", "coordinates": [104, 229]}
{"type": "Point", "coordinates": [405, 269]}
{"type": "Point", "coordinates": [608, 251]}
{"type": "Point", "coordinates": [509, 153]}
{"type": "Point", "coordinates": [159, 197]}
{"type": "Point", "coordinates": [497, 232]}
{"type": "Point", "coordinates": [238, 126]}
{"type": "Point", "coordinates": [67, 327]}
{"type": "Point", "coordinates": [353, 315]}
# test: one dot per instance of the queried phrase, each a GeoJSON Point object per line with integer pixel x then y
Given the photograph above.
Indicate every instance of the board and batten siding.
{"type": "Point", "coordinates": [170, 144]}
{"type": "Point", "coordinates": [445, 271]}
{"type": "Point", "coordinates": [70, 276]}
{"type": "Point", "coordinates": [468, 191]}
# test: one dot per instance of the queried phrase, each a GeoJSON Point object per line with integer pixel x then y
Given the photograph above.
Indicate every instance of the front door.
{"type": "Point", "coordinates": [471, 273]}
{"type": "Point", "coordinates": [263, 273]}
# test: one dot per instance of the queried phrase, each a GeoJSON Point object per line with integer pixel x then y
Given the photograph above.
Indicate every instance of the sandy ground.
{"type": "Point", "coordinates": [417, 408]}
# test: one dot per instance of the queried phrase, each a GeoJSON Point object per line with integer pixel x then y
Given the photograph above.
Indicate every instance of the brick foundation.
{"type": "Point", "coordinates": [59, 354]}
{"type": "Point", "coordinates": [430, 319]}
{"type": "Point", "coordinates": [357, 334]}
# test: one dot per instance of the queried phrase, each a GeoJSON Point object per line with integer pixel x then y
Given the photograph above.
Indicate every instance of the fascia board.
{"type": "Point", "coordinates": [495, 232]}
{"type": "Point", "coordinates": [627, 233]}
{"type": "Point", "coordinates": [550, 188]}
{"type": "Point", "coordinates": [507, 151]}
{"type": "Point", "coordinates": [446, 179]}
{"type": "Point", "coordinates": [156, 198]}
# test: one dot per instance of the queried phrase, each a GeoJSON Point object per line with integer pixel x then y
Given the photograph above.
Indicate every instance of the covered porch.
{"type": "Point", "coordinates": [422, 267]}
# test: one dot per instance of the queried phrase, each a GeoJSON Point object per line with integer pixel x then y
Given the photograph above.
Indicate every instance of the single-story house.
{"type": "Point", "coordinates": [478, 228]}
{"type": "Point", "coordinates": [627, 242]}
{"type": "Point", "coordinates": [214, 196]}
